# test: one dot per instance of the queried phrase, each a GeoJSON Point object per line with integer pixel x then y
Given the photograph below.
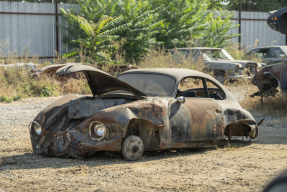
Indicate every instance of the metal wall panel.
{"type": "Point", "coordinates": [251, 30]}
{"type": "Point", "coordinates": [37, 33]}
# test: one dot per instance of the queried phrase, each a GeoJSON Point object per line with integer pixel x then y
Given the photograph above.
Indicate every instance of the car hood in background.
{"type": "Point", "coordinates": [224, 64]}
{"type": "Point", "coordinates": [99, 81]}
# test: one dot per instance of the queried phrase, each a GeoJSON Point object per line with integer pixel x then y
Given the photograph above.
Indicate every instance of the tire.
{"type": "Point", "coordinates": [132, 148]}
{"type": "Point", "coordinates": [220, 77]}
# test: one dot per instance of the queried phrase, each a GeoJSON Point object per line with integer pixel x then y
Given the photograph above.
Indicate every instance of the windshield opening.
{"type": "Point", "coordinates": [216, 55]}
{"type": "Point", "coordinates": [150, 84]}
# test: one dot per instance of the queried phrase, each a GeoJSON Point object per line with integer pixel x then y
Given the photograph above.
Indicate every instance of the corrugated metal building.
{"type": "Point", "coordinates": [254, 26]}
{"type": "Point", "coordinates": [32, 27]}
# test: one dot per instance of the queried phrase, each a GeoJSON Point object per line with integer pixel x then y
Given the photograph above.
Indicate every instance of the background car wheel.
{"type": "Point", "coordinates": [132, 148]}
{"type": "Point", "coordinates": [220, 77]}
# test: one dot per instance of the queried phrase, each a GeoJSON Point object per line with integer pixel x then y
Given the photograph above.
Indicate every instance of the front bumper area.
{"type": "Point", "coordinates": [73, 144]}
{"type": "Point", "coordinates": [236, 77]}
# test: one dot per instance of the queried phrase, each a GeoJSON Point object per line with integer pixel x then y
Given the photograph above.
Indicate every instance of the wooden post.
{"type": "Point", "coordinates": [239, 20]}
{"type": "Point", "coordinates": [57, 28]}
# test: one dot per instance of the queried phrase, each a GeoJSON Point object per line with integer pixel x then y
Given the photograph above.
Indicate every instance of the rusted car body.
{"type": "Point", "coordinates": [50, 70]}
{"type": "Point", "coordinates": [141, 110]}
{"type": "Point", "coordinates": [269, 78]}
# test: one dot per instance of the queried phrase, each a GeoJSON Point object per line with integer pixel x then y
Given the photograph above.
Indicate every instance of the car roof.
{"type": "Point", "coordinates": [201, 48]}
{"type": "Point", "coordinates": [268, 47]}
{"type": "Point", "coordinates": [178, 73]}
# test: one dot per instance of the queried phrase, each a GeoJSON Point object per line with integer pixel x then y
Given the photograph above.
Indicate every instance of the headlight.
{"type": "Point", "coordinates": [97, 130]}
{"type": "Point", "coordinates": [35, 129]}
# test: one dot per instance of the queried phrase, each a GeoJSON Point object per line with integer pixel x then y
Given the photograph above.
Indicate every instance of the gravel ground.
{"type": "Point", "coordinates": [243, 166]}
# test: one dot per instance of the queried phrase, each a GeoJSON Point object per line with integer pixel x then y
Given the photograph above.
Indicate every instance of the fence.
{"type": "Point", "coordinates": [33, 26]}
{"type": "Point", "coordinates": [253, 25]}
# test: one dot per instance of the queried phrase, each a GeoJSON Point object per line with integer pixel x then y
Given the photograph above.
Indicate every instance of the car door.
{"type": "Point", "coordinates": [274, 54]}
{"type": "Point", "coordinates": [200, 118]}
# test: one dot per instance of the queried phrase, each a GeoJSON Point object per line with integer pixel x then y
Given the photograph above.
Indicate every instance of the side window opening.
{"type": "Point", "coordinates": [215, 91]}
{"type": "Point", "coordinates": [191, 87]}
{"type": "Point", "coordinates": [195, 87]}
{"type": "Point", "coordinates": [275, 52]}
{"type": "Point", "coordinates": [262, 53]}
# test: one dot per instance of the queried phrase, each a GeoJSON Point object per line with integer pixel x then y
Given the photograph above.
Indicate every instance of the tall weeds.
{"type": "Point", "coordinates": [16, 82]}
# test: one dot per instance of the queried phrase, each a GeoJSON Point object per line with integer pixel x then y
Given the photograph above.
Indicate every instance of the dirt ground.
{"type": "Point", "coordinates": [243, 166]}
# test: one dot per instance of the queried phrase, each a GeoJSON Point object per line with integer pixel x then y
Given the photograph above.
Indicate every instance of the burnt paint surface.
{"type": "Point", "coordinates": [163, 123]}
{"type": "Point", "coordinates": [277, 72]}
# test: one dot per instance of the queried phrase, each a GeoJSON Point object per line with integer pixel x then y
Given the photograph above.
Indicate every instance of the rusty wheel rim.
{"type": "Point", "coordinates": [132, 148]}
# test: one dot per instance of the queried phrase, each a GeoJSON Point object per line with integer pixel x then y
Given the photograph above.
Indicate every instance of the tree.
{"type": "Point", "coordinates": [191, 23]}
{"type": "Point", "coordinates": [97, 36]}
{"type": "Point", "coordinates": [149, 23]}
{"type": "Point", "coordinates": [141, 23]}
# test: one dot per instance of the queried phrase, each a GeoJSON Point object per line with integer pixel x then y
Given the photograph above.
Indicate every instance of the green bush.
{"type": "Point", "coordinates": [143, 24]}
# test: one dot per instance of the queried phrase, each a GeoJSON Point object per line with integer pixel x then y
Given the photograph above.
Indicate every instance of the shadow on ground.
{"type": "Point", "coordinates": [33, 161]}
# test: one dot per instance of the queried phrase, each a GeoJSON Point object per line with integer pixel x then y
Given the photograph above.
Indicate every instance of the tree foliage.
{"type": "Point", "coordinates": [95, 36]}
{"type": "Point", "coordinates": [148, 23]}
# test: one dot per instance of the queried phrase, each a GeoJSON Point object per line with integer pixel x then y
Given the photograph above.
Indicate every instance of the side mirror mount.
{"type": "Point", "coordinates": [282, 56]}
{"type": "Point", "coordinates": [180, 99]}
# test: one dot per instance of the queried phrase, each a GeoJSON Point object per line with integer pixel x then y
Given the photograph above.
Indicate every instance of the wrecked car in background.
{"type": "Point", "coordinates": [270, 54]}
{"type": "Point", "coordinates": [269, 78]}
{"type": "Point", "coordinates": [218, 61]}
{"type": "Point", "coordinates": [141, 110]}
{"type": "Point", "coordinates": [50, 70]}
{"type": "Point", "coordinates": [273, 76]}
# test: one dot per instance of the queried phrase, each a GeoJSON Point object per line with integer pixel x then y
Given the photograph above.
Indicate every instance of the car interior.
{"type": "Point", "coordinates": [200, 88]}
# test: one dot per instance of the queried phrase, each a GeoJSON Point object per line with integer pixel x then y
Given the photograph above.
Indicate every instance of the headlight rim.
{"type": "Point", "coordinates": [32, 132]}
{"type": "Point", "coordinates": [92, 129]}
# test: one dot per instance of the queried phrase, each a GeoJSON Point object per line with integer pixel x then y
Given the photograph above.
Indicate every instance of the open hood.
{"type": "Point", "coordinates": [99, 81]}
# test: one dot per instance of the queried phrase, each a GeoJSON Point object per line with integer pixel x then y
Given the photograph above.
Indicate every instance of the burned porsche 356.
{"type": "Point", "coordinates": [141, 110]}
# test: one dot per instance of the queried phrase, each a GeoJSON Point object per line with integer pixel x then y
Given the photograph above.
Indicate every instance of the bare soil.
{"type": "Point", "coordinates": [242, 166]}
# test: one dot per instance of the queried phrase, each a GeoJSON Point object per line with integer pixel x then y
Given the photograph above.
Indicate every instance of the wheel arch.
{"type": "Point", "coordinates": [241, 129]}
{"type": "Point", "coordinates": [148, 131]}
{"type": "Point", "coordinates": [218, 71]}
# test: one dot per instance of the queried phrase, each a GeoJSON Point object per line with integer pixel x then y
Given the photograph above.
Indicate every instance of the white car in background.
{"type": "Point", "coordinates": [270, 54]}
{"type": "Point", "coordinates": [218, 61]}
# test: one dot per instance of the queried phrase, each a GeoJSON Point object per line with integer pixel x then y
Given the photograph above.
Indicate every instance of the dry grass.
{"type": "Point", "coordinates": [270, 106]}
{"type": "Point", "coordinates": [240, 54]}
{"type": "Point", "coordinates": [16, 83]}
{"type": "Point", "coordinates": [159, 58]}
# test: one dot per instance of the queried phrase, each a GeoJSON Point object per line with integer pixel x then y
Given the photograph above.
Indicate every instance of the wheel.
{"type": "Point", "coordinates": [220, 77]}
{"type": "Point", "coordinates": [132, 148]}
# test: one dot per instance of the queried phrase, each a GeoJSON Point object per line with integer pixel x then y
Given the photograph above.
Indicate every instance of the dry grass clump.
{"type": "Point", "coordinates": [270, 106]}
{"type": "Point", "coordinates": [236, 53]}
{"type": "Point", "coordinates": [240, 54]}
{"type": "Point", "coordinates": [75, 86]}
{"type": "Point", "coordinates": [159, 58]}
{"type": "Point", "coordinates": [16, 83]}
